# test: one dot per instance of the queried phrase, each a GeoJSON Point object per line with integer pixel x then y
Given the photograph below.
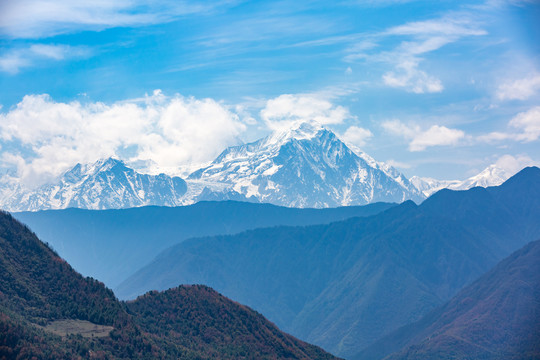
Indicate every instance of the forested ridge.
{"type": "Point", "coordinates": [37, 288]}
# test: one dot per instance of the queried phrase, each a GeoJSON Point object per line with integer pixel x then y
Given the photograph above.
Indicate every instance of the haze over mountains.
{"type": "Point", "coordinates": [40, 293]}
{"type": "Point", "coordinates": [111, 245]}
{"type": "Point", "coordinates": [345, 285]}
{"type": "Point", "coordinates": [304, 166]}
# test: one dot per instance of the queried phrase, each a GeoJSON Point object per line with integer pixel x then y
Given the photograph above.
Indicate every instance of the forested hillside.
{"type": "Point", "coordinates": [39, 291]}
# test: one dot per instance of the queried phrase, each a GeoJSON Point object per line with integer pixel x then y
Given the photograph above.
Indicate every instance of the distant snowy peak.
{"type": "Point", "coordinates": [105, 184]}
{"type": "Point", "coordinates": [306, 165]}
{"type": "Point", "coordinates": [491, 176]}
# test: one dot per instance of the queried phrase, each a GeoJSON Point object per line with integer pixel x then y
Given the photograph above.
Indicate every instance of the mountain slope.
{"type": "Point", "coordinates": [346, 284]}
{"type": "Point", "coordinates": [106, 184]}
{"type": "Point", "coordinates": [306, 166]}
{"type": "Point", "coordinates": [111, 245]}
{"type": "Point", "coordinates": [496, 317]}
{"type": "Point", "coordinates": [233, 330]}
{"type": "Point", "coordinates": [39, 291]}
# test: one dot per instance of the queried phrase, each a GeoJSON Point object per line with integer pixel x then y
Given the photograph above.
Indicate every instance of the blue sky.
{"type": "Point", "coordinates": [440, 89]}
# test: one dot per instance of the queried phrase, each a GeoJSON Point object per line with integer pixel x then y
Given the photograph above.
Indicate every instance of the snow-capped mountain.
{"type": "Point", "coordinates": [490, 176]}
{"type": "Point", "coordinates": [306, 166]}
{"type": "Point", "coordinates": [105, 184]}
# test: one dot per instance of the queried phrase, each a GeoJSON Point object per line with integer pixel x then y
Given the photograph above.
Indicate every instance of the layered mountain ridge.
{"type": "Point", "coordinates": [345, 285]}
{"type": "Point", "coordinates": [93, 241]}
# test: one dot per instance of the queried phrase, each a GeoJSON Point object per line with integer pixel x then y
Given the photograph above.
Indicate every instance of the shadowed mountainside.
{"type": "Point", "coordinates": [496, 317]}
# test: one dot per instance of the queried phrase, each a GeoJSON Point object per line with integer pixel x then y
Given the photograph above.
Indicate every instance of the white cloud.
{"type": "Point", "coordinates": [520, 89]}
{"type": "Point", "coordinates": [526, 123]}
{"type": "Point", "coordinates": [494, 137]}
{"type": "Point", "coordinates": [357, 136]}
{"type": "Point", "coordinates": [283, 111]}
{"type": "Point", "coordinates": [43, 18]}
{"type": "Point", "coordinates": [14, 60]}
{"type": "Point", "coordinates": [420, 139]}
{"type": "Point", "coordinates": [436, 136]}
{"type": "Point", "coordinates": [169, 132]}
{"type": "Point", "coordinates": [513, 164]}
{"type": "Point", "coordinates": [529, 124]}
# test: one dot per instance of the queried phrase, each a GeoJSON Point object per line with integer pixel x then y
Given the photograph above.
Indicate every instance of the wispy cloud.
{"type": "Point", "coordinates": [454, 25]}
{"type": "Point", "coordinates": [12, 61]}
{"type": "Point", "coordinates": [44, 18]}
{"type": "Point", "coordinates": [407, 75]}
{"type": "Point", "coordinates": [423, 37]}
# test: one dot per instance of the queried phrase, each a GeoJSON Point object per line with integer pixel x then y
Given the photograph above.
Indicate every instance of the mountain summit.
{"type": "Point", "coordinates": [306, 165]}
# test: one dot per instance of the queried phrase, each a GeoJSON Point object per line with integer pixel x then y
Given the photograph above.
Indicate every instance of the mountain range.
{"type": "Point", "coordinates": [105, 184]}
{"type": "Point", "coordinates": [345, 285]}
{"type": "Point", "coordinates": [48, 311]}
{"type": "Point", "coordinates": [111, 245]}
{"type": "Point", "coordinates": [304, 166]}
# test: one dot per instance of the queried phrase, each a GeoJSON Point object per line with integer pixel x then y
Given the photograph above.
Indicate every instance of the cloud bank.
{"type": "Point", "coordinates": [43, 138]}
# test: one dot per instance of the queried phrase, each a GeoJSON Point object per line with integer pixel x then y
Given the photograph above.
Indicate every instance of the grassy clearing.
{"type": "Point", "coordinates": [78, 327]}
